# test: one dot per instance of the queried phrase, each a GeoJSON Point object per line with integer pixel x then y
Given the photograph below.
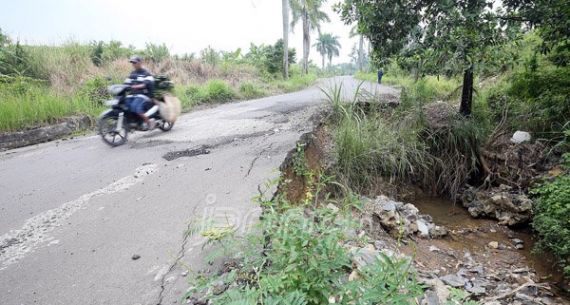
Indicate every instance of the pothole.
{"type": "Point", "coordinates": [173, 155]}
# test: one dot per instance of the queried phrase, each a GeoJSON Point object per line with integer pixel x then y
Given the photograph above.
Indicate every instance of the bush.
{"type": "Point", "coordinates": [218, 91]}
{"type": "Point", "coordinates": [95, 90]}
{"type": "Point", "coordinates": [250, 90]}
{"type": "Point", "coordinates": [540, 100]}
{"type": "Point", "coordinates": [296, 82]}
{"type": "Point", "coordinates": [552, 218]}
{"type": "Point", "coordinates": [305, 263]}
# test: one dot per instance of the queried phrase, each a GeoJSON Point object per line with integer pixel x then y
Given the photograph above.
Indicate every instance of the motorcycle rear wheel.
{"type": "Point", "coordinates": [107, 127]}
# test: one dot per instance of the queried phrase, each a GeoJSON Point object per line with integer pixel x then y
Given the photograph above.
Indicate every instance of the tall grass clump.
{"type": "Point", "coordinates": [296, 82]}
{"type": "Point", "coordinates": [369, 146]}
{"type": "Point", "coordinates": [404, 145]}
{"type": "Point", "coordinates": [251, 90]}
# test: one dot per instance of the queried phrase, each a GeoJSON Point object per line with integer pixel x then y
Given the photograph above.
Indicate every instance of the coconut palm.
{"type": "Point", "coordinates": [311, 15]}
{"type": "Point", "coordinates": [354, 33]}
{"type": "Point", "coordinates": [328, 46]}
{"type": "Point", "coordinates": [285, 8]}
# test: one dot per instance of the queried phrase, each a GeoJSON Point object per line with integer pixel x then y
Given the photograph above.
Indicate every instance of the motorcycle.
{"type": "Point", "coordinates": [115, 123]}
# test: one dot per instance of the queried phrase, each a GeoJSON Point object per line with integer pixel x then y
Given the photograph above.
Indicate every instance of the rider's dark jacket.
{"type": "Point", "coordinates": [142, 76]}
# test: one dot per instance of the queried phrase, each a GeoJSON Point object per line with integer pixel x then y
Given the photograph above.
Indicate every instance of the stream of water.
{"type": "Point", "coordinates": [475, 234]}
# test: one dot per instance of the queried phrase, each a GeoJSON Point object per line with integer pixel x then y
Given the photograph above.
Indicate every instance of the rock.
{"type": "Point", "coordinates": [499, 203]}
{"type": "Point", "coordinates": [402, 219]}
{"type": "Point", "coordinates": [441, 291]}
{"type": "Point", "coordinates": [332, 207]}
{"type": "Point", "coordinates": [430, 298]}
{"type": "Point", "coordinates": [422, 228]}
{"type": "Point", "coordinates": [389, 206]}
{"type": "Point", "coordinates": [476, 290]}
{"type": "Point", "coordinates": [437, 232]}
{"type": "Point", "coordinates": [520, 137]}
{"type": "Point", "coordinates": [362, 257]}
{"type": "Point", "coordinates": [135, 257]}
{"type": "Point", "coordinates": [433, 248]}
{"type": "Point", "coordinates": [219, 287]}
{"type": "Point", "coordinates": [493, 245]}
{"type": "Point", "coordinates": [353, 276]}
{"type": "Point", "coordinates": [524, 298]}
{"type": "Point", "coordinates": [517, 241]}
{"type": "Point", "coordinates": [379, 245]}
{"type": "Point", "coordinates": [521, 270]}
{"type": "Point", "coordinates": [454, 280]}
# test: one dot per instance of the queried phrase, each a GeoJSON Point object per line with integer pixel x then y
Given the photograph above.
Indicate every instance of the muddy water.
{"type": "Point", "coordinates": [474, 235]}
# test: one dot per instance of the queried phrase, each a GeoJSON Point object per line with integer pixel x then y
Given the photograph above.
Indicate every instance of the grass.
{"type": "Point", "coordinates": [295, 82]}
{"type": "Point", "coordinates": [400, 145]}
{"type": "Point", "coordinates": [24, 105]}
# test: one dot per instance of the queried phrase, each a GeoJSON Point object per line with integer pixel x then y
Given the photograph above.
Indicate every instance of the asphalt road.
{"type": "Point", "coordinates": [74, 213]}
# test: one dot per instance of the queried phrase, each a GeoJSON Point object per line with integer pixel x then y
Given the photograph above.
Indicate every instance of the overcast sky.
{"type": "Point", "coordinates": [183, 25]}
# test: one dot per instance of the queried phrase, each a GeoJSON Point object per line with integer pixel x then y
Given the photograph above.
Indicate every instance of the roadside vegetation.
{"type": "Point", "coordinates": [43, 84]}
{"type": "Point", "coordinates": [522, 83]}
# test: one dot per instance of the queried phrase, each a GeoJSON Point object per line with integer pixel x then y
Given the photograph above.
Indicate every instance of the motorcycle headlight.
{"type": "Point", "coordinates": [112, 102]}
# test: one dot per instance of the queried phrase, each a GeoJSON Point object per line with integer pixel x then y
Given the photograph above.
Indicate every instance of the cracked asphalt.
{"type": "Point", "coordinates": [74, 214]}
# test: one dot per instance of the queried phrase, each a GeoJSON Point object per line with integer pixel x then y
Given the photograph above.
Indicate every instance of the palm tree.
{"type": "Point", "coordinates": [354, 33]}
{"type": "Point", "coordinates": [285, 8]}
{"type": "Point", "coordinates": [309, 11]}
{"type": "Point", "coordinates": [321, 47]}
{"type": "Point", "coordinates": [328, 46]}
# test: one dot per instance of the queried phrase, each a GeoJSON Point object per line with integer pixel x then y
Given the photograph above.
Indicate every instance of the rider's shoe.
{"type": "Point", "coordinates": [150, 125]}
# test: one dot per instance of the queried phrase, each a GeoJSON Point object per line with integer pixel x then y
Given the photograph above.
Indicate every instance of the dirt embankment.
{"type": "Point", "coordinates": [65, 127]}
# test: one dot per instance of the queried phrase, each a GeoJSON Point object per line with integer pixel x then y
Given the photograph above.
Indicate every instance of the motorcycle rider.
{"type": "Point", "coordinates": [141, 92]}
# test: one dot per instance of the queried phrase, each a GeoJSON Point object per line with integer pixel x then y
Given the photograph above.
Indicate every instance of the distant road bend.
{"type": "Point", "coordinates": [82, 223]}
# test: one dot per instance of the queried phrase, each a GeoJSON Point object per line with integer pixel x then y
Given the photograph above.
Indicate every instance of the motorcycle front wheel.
{"type": "Point", "coordinates": [107, 126]}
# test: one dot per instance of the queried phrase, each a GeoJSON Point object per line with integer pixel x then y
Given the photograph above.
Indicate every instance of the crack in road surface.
{"type": "Point", "coordinates": [181, 254]}
{"type": "Point", "coordinates": [15, 244]}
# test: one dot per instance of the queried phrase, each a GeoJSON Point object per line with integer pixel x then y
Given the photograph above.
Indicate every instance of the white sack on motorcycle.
{"type": "Point", "coordinates": [170, 109]}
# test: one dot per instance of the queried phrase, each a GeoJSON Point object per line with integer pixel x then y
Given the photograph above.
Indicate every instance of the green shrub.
{"type": "Point", "coordinates": [552, 218]}
{"type": "Point", "coordinates": [218, 91]}
{"type": "Point", "coordinates": [296, 82]}
{"type": "Point", "coordinates": [250, 90]}
{"type": "Point", "coordinates": [306, 263]}
{"type": "Point", "coordinates": [540, 100]}
{"type": "Point", "coordinates": [95, 90]}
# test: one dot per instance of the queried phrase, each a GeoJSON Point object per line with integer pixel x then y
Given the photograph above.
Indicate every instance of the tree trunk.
{"type": "Point", "coordinates": [467, 93]}
{"type": "Point", "coordinates": [330, 61]}
{"type": "Point", "coordinates": [306, 40]}
{"type": "Point", "coordinates": [361, 53]}
{"type": "Point", "coordinates": [285, 4]}
{"type": "Point", "coordinates": [323, 62]}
